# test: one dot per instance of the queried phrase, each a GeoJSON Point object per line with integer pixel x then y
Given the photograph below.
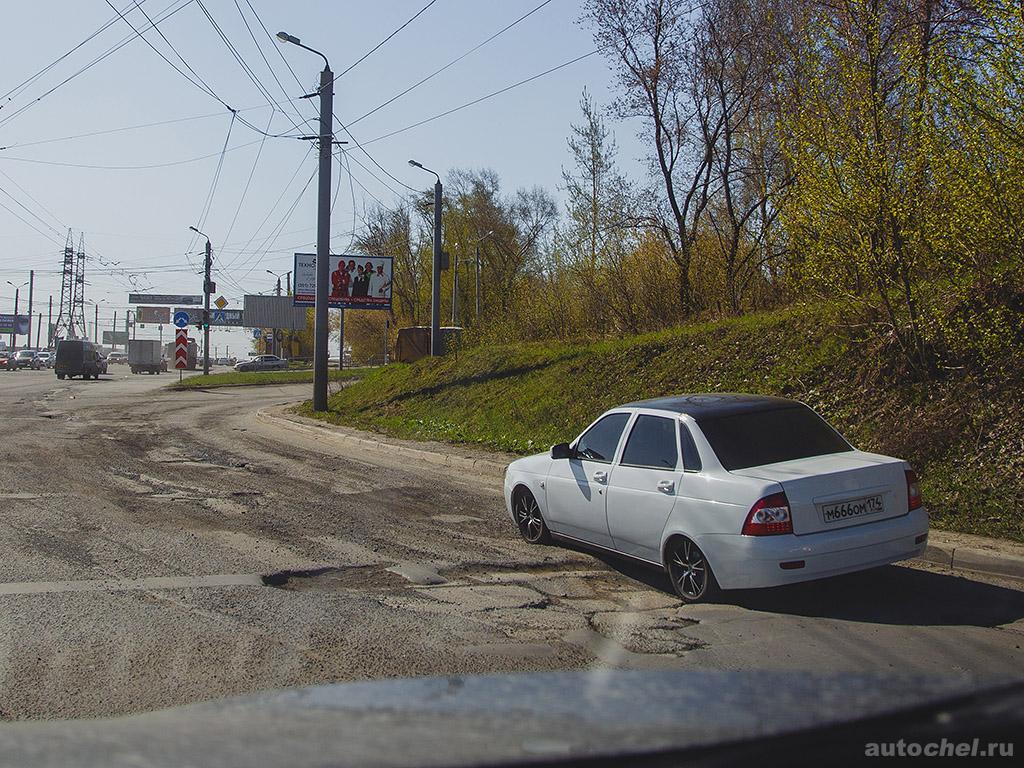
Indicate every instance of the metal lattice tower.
{"type": "Point", "coordinates": [64, 327]}
{"type": "Point", "coordinates": [78, 306]}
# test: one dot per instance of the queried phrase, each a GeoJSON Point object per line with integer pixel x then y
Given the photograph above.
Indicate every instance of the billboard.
{"type": "Point", "coordinates": [14, 324]}
{"type": "Point", "coordinates": [274, 312]}
{"type": "Point", "coordinates": [356, 281]}
{"type": "Point", "coordinates": [156, 315]}
{"type": "Point", "coordinates": [165, 298]}
{"type": "Point", "coordinates": [115, 337]}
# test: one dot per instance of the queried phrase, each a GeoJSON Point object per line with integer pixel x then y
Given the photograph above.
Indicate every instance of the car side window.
{"type": "Point", "coordinates": [600, 441]}
{"type": "Point", "coordinates": [652, 443]}
{"type": "Point", "coordinates": [691, 458]}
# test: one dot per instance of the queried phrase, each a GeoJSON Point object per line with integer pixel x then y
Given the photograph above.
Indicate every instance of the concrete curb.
{"type": "Point", "coordinates": [367, 441]}
{"type": "Point", "coordinates": [980, 554]}
{"type": "Point", "coordinates": [954, 551]}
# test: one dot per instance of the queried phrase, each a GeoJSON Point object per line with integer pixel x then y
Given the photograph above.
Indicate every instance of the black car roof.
{"type": "Point", "coordinates": [706, 405]}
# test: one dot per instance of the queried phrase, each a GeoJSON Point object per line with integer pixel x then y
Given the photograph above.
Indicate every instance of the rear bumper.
{"type": "Point", "coordinates": [746, 562]}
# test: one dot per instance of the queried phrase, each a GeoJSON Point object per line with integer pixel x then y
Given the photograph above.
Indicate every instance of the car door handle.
{"type": "Point", "coordinates": [600, 477]}
{"type": "Point", "coordinates": [666, 486]}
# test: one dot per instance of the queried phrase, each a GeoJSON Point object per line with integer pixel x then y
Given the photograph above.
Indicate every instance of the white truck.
{"type": "Point", "coordinates": [146, 355]}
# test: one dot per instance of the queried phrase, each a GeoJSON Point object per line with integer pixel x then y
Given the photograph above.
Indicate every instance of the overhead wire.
{"type": "Point", "coordinates": [377, 47]}
{"type": "Point", "coordinates": [491, 95]}
{"type": "Point", "coordinates": [163, 15]}
{"type": "Point", "coordinates": [450, 64]}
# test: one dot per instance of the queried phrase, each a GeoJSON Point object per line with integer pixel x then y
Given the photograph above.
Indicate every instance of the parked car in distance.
{"type": "Point", "coordinates": [262, 363]}
{"type": "Point", "coordinates": [8, 360]}
{"type": "Point", "coordinates": [25, 358]}
{"type": "Point", "coordinates": [117, 358]}
{"type": "Point", "coordinates": [722, 491]}
{"type": "Point", "coordinates": [44, 359]}
{"type": "Point", "coordinates": [79, 357]}
{"type": "Point", "coordinates": [222, 361]}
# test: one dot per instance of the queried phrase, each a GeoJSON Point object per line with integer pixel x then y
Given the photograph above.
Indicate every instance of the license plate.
{"type": "Point", "coordinates": [845, 510]}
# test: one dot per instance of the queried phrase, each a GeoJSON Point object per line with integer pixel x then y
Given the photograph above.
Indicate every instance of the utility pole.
{"type": "Point", "coordinates": [31, 286]}
{"type": "Point", "coordinates": [113, 345]}
{"type": "Point", "coordinates": [207, 290]}
{"type": "Point", "coordinates": [39, 327]}
{"type": "Point", "coordinates": [49, 324]}
{"type": "Point", "coordinates": [323, 225]}
{"type": "Point", "coordinates": [455, 290]}
{"type": "Point", "coordinates": [96, 325]}
{"type": "Point", "coordinates": [275, 347]}
{"type": "Point", "coordinates": [14, 325]}
{"type": "Point", "coordinates": [341, 338]}
{"type": "Point", "coordinates": [436, 346]}
{"type": "Point", "coordinates": [323, 239]}
{"type": "Point", "coordinates": [478, 281]}
{"type": "Point", "coordinates": [436, 349]}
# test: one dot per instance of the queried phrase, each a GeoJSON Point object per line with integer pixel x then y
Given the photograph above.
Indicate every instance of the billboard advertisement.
{"type": "Point", "coordinates": [14, 324]}
{"type": "Point", "coordinates": [356, 281]}
{"type": "Point", "coordinates": [115, 337]}
{"type": "Point", "coordinates": [155, 315]}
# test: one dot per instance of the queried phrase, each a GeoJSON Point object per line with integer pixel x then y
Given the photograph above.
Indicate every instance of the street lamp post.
{"type": "Point", "coordinates": [14, 325]}
{"type": "Point", "coordinates": [207, 290]}
{"type": "Point", "coordinates": [277, 291]}
{"type": "Point", "coordinates": [436, 348]}
{"type": "Point", "coordinates": [323, 225]}
{"type": "Point", "coordinates": [478, 241]}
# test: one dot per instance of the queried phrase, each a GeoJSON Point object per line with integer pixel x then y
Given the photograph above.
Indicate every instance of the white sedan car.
{"type": "Point", "coordinates": [723, 491]}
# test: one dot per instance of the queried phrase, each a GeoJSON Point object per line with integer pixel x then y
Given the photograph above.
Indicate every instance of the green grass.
{"type": "Point", "coordinates": [236, 379]}
{"type": "Point", "coordinates": [963, 435]}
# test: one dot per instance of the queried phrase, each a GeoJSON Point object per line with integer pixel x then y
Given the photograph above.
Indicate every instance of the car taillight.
{"type": "Point", "coordinates": [769, 516]}
{"type": "Point", "coordinates": [913, 491]}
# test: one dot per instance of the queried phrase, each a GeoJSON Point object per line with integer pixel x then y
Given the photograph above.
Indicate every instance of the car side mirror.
{"type": "Point", "coordinates": [561, 451]}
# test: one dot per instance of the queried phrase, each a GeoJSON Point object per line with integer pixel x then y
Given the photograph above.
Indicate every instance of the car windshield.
{"type": "Point", "coordinates": [755, 438]}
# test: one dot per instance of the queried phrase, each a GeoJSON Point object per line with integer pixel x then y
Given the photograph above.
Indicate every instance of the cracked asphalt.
{"type": "Point", "coordinates": [161, 548]}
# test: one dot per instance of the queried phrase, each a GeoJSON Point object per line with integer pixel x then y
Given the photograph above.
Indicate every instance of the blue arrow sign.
{"type": "Point", "coordinates": [255, 333]}
{"type": "Point", "coordinates": [181, 319]}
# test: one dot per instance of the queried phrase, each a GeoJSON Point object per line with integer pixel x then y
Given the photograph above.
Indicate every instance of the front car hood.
{"type": "Point", "coordinates": [538, 464]}
{"type": "Point", "coordinates": [496, 719]}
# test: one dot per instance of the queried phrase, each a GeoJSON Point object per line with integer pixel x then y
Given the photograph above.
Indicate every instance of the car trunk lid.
{"type": "Point", "coordinates": [838, 490]}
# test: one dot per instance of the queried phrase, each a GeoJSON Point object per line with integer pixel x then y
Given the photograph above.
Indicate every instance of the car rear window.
{"type": "Point", "coordinates": [744, 440]}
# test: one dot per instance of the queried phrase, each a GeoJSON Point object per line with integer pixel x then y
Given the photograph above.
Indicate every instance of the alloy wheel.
{"type": "Point", "coordinates": [528, 516]}
{"type": "Point", "coordinates": [689, 570]}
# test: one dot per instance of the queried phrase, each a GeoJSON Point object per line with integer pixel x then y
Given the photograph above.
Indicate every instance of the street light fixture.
{"type": "Point", "coordinates": [207, 290]}
{"type": "Point", "coordinates": [435, 286]}
{"type": "Point", "coordinates": [323, 225]}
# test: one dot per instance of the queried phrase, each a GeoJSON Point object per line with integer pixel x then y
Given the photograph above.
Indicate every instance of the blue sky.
{"type": "Point", "coordinates": [139, 217]}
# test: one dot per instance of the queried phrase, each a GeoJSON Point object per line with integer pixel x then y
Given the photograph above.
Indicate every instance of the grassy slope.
{"type": "Point", "coordinates": [236, 379]}
{"type": "Point", "coordinates": [965, 441]}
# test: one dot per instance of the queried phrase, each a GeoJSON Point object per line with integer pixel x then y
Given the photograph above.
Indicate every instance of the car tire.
{"type": "Point", "coordinates": [60, 376]}
{"type": "Point", "coordinates": [529, 518]}
{"type": "Point", "coordinates": [689, 571]}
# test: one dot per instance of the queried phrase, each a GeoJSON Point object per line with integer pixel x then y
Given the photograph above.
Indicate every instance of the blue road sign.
{"type": "Point", "coordinates": [181, 319]}
{"type": "Point", "coordinates": [255, 333]}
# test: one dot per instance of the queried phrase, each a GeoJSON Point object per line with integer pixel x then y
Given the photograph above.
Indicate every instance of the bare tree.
{"type": "Point", "coordinates": [652, 45]}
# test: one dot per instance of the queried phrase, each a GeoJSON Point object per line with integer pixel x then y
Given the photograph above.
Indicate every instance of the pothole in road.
{"type": "Point", "coordinates": [330, 578]}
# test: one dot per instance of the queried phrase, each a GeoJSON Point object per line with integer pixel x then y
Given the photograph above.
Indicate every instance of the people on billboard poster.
{"type": "Point", "coordinates": [367, 283]}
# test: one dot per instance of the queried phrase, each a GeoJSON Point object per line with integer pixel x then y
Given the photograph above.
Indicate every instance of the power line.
{"type": "Point", "coordinates": [450, 64]}
{"type": "Point", "coordinates": [482, 98]}
{"type": "Point", "coordinates": [375, 48]}
{"type": "Point", "coordinates": [128, 167]}
{"type": "Point", "coordinates": [166, 14]}
{"type": "Point", "coordinates": [13, 93]}
{"type": "Point", "coordinates": [259, 50]}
